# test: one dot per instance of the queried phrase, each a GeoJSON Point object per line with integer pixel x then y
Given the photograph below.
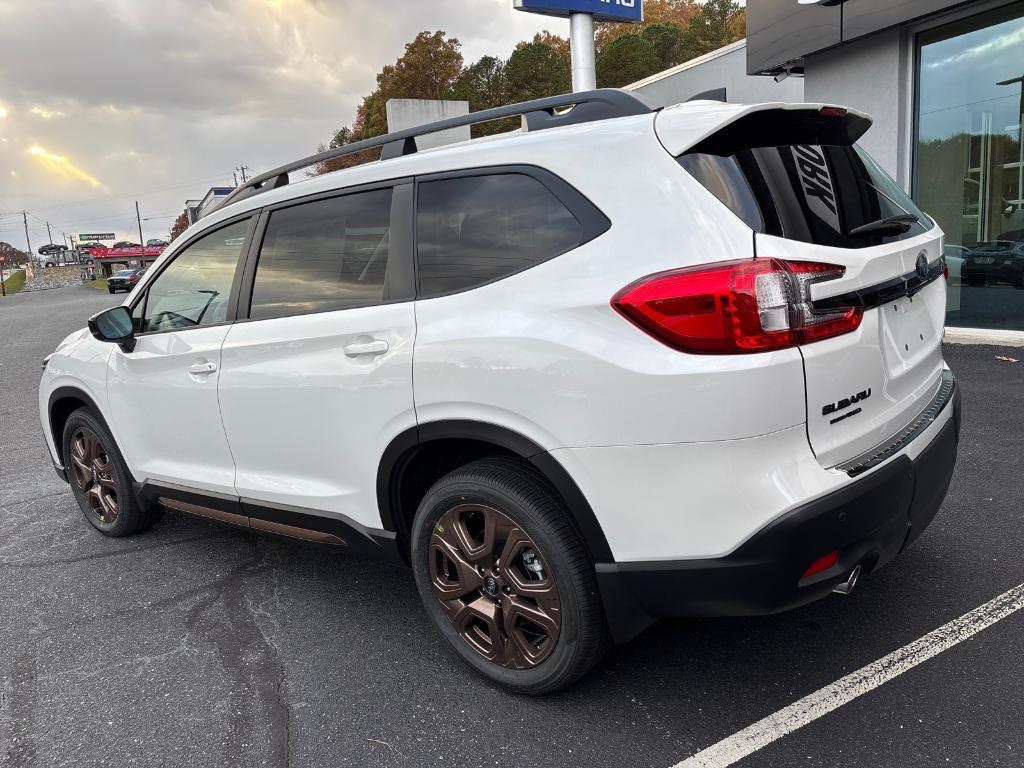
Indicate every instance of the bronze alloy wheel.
{"type": "Point", "coordinates": [495, 586]}
{"type": "Point", "coordinates": [94, 474]}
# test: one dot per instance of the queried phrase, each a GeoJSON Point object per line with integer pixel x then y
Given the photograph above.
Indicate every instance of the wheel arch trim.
{"type": "Point", "coordinates": [404, 446]}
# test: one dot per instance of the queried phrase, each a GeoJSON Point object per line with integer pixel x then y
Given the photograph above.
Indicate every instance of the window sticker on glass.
{"type": "Point", "coordinates": [816, 183]}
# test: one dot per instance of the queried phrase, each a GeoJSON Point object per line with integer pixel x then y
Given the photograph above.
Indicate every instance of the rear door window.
{"type": "Point", "coordinates": [810, 193]}
{"type": "Point", "coordinates": [477, 229]}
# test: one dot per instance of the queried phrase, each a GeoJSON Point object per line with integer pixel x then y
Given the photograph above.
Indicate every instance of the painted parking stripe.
{"type": "Point", "coordinates": [818, 704]}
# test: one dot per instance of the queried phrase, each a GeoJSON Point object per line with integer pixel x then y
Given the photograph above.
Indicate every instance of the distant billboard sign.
{"type": "Point", "coordinates": [100, 236]}
{"type": "Point", "coordinates": [602, 10]}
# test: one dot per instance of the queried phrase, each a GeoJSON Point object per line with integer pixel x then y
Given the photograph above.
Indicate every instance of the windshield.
{"type": "Point", "coordinates": [124, 273]}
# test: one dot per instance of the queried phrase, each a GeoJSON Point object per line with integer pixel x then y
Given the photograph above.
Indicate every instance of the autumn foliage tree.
{"type": "Point", "coordinates": [180, 224]}
{"type": "Point", "coordinates": [432, 67]}
{"type": "Point", "coordinates": [14, 257]}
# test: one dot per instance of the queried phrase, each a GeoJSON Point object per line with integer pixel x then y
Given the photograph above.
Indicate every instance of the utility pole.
{"type": "Point", "coordinates": [48, 235]}
{"type": "Point", "coordinates": [234, 174]}
{"type": "Point", "coordinates": [142, 243]}
{"type": "Point", "coordinates": [242, 169]}
{"type": "Point", "coordinates": [28, 241]}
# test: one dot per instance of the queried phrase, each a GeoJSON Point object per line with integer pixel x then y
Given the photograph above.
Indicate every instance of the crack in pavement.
{"type": "Point", "coordinates": [250, 658]}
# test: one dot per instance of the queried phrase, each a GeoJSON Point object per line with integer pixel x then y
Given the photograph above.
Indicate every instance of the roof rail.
{"type": "Point", "coordinates": [540, 114]}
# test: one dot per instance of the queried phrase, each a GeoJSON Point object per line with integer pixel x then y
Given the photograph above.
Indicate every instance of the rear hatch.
{"type": "Point", "coordinates": [794, 174]}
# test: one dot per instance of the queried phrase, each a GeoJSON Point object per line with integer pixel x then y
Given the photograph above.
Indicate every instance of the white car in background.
{"type": "Point", "coordinates": [625, 364]}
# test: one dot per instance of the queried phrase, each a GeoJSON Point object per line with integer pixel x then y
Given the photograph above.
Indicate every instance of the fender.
{"type": "Point", "coordinates": [405, 444]}
{"type": "Point", "coordinates": [59, 394]}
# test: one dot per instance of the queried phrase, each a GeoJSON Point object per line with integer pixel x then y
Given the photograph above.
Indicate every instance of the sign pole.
{"type": "Point", "coordinates": [584, 58]}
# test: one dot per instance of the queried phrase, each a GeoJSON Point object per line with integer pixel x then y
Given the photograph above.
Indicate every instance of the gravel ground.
{"type": "Point", "coordinates": [193, 645]}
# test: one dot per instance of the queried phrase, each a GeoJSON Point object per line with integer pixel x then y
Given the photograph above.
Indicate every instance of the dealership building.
{"type": "Point", "coordinates": [944, 84]}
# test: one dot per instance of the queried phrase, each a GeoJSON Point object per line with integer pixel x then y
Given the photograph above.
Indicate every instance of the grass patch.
{"type": "Point", "coordinates": [99, 283]}
{"type": "Point", "coordinates": [15, 282]}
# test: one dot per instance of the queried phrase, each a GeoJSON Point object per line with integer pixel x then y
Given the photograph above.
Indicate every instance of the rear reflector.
{"type": "Point", "coordinates": [822, 564]}
{"type": "Point", "coordinates": [735, 306]}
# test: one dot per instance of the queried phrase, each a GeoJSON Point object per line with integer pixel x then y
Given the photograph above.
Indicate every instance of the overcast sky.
{"type": "Point", "coordinates": [104, 102]}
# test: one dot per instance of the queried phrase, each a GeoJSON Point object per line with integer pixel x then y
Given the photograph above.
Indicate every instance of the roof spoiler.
{"type": "Point", "coordinates": [723, 129]}
{"type": "Point", "coordinates": [539, 114]}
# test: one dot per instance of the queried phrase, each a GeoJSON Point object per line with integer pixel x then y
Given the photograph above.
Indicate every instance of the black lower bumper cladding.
{"type": "Point", "coordinates": [869, 522]}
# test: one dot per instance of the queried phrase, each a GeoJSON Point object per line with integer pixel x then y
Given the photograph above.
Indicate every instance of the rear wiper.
{"type": "Point", "coordinates": [894, 224]}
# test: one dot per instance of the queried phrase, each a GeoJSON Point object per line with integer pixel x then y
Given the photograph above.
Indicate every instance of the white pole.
{"type": "Point", "coordinates": [581, 44]}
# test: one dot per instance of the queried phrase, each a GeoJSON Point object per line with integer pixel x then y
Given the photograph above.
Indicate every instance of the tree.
{"type": "Point", "coordinates": [429, 69]}
{"type": "Point", "coordinates": [713, 26]}
{"type": "Point", "coordinates": [677, 12]}
{"type": "Point", "coordinates": [484, 85]}
{"type": "Point", "coordinates": [626, 59]}
{"type": "Point", "coordinates": [180, 224]}
{"type": "Point", "coordinates": [535, 70]}
{"type": "Point", "coordinates": [665, 38]}
{"type": "Point", "coordinates": [14, 257]}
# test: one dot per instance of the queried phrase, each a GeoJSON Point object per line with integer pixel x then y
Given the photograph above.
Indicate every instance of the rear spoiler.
{"type": "Point", "coordinates": [723, 129]}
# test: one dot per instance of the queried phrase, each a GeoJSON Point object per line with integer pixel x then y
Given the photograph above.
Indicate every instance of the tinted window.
{"type": "Point", "coordinates": [814, 194]}
{"type": "Point", "coordinates": [477, 229]}
{"type": "Point", "coordinates": [322, 256]}
{"type": "Point", "coordinates": [194, 288]}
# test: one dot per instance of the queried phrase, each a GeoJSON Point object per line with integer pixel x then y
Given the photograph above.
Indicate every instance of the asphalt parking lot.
{"type": "Point", "coordinates": [195, 645]}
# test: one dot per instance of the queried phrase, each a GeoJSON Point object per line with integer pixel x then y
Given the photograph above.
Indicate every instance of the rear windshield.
{"type": "Point", "coordinates": [810, 193]}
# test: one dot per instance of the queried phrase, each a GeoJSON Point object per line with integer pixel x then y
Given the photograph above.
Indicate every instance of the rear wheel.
{"type": "Point", "coordinates": [100, 479]}
{"type": "Point", "coordinates": [506, 579]}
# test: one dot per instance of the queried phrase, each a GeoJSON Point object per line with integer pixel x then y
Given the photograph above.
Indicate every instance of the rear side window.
{"type": "Point", "coordinates": [807, 192]}
{"type": "Point", "coordinates": [322, 256]}
{"type": "Point", "coordinates": [477, 229]}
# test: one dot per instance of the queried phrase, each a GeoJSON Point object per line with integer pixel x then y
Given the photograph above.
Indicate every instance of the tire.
{"type": "Point", "coordinates": [105, 496]}
{"type": "Point", "coordinates": [510, 649]}
{"type": "Point", "coordinates": [110, 290]}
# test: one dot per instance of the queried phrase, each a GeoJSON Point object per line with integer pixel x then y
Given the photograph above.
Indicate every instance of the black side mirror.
{"type": "Point", "coordinates": [114, 325]}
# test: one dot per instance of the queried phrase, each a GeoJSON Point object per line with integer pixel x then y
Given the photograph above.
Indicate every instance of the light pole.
{"type": "Point", "coordinates": [581, 15]}
{"type": "Point", "coordinates": [584, 57]}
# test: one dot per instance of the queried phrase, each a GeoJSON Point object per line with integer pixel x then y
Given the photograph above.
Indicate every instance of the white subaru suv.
{"type": "Point", "coordinates": [619, 365]}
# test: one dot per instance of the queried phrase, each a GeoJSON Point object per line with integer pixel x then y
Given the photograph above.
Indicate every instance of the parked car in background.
{"type": "Point", "coordinates": [156, 242]}
{"type": "Point", "coordinates": [124, 280]}
{"type": "Point", "coordinates": [124, 244]}
{"type": "Point", "coordinates": [997, 261]}
{"type": "Point", "coordinates": [51, 249]}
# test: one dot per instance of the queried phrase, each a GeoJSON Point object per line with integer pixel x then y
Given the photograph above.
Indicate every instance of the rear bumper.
{"type": "Point", "coordinates": [869, 522]}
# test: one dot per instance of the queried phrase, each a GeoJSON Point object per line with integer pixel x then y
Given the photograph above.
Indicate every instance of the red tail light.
{"type": "Point", "coordinates": [736, 306]}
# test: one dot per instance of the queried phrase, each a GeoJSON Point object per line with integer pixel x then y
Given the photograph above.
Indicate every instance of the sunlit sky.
{"type": "Point", "coordinates": [104, 102]}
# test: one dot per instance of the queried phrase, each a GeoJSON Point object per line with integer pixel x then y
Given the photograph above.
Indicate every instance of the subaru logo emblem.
{"type": "Point", "coordinates": [922, 265]}
{"type": "Point", "coordinates": [491, 585]}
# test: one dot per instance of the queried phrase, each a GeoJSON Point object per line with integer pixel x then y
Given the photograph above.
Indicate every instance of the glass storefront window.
{"type": "Point", "coordinates": [969, 163]}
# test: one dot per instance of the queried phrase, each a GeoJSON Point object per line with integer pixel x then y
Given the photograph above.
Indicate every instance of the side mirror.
{"type": "Point", "coordinates": [114, 325]}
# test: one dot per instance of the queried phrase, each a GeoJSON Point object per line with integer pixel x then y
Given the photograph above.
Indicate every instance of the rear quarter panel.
{"type": "Point", "coordinates": [543, 352]}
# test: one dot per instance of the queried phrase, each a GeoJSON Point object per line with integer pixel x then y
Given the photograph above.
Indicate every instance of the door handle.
{"type": "Point", "coordinates": [376, 347]}
{"type": "Point", "coordinates": [202, 369]}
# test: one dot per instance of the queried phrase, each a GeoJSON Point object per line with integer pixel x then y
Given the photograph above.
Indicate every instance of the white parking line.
{"type": "Point", "coordinates": [818, 704]}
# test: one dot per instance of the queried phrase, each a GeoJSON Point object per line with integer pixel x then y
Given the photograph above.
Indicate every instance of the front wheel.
{"type": "Point", "coordinates": [505, 577]}
{"type": "Point", "coordinates": [100, 480]}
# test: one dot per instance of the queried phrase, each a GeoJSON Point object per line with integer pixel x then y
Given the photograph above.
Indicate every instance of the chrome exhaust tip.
{"type": "Point", "coordinates": [847, 586]}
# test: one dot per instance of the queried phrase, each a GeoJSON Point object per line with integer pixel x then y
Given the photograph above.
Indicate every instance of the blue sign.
{"type": "Point", "coordinates": [602, 10]}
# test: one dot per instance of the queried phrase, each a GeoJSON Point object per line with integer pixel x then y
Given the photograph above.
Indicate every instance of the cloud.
{"type": "Point", "coordinates": [161, 100]}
